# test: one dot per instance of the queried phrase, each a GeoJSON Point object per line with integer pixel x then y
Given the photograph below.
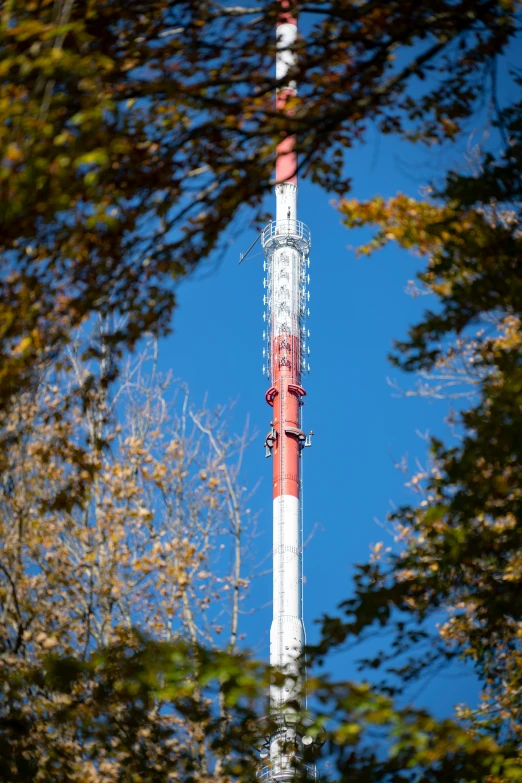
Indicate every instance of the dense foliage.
{"type": "Point", "coordinates": [131, 134]}
{"type": "Point", "coordinates": [148, 531]}
{"type": "Point", "coordinates": [458, 563]}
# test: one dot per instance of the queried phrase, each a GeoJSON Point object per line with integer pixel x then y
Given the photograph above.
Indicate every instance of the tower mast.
{"type": "Point", "coordinates": [286, 245]}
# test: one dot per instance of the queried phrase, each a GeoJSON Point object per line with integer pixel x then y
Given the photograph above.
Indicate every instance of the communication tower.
{"type": "Point", "coordinates": [286, 244]}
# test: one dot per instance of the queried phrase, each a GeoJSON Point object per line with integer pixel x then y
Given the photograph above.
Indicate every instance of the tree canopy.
{"type": "Point", "coordinates": [451, 589]}
{"type": "Point", "coordinates": [132, 135]}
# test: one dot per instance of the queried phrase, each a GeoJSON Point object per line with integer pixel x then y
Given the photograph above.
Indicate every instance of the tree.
{"type": "Point", "coordinates": [152, 536]}
{"type": "Point", "coordinates": [94, 226]}
{"type": "Point", "coordinates": [451, 588]}
{"type": "Point", "coordinates": [133, 133]}
{"type": "Point", "coordinates": [150, 541]}
{"type": "Point", "coordinates": [137, 711]}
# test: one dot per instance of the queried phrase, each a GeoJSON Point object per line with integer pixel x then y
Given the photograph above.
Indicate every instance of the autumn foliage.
{"type": "Point", "coordinates": [132, 135]}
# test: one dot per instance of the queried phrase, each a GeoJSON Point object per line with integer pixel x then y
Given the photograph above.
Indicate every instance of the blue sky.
{"type": "Point", "coordinates": [358, 306]}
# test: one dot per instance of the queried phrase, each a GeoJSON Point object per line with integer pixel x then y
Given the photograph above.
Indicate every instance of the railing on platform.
{"type": "Point", "coordinates": [280, 229]}
{"type": "Point", "coordinates": [277, 772]}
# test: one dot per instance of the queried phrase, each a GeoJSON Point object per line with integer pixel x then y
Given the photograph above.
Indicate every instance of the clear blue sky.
{"type": "Point", "coordinates": [361, 429]}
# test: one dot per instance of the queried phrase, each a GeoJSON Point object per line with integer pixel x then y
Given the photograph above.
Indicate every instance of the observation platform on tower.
{"type": "Point", "coordinates": [284, 774]}
{"type": "Point", "coordinates": [285, 233]}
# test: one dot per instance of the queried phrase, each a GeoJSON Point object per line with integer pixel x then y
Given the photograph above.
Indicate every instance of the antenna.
{"type": "Point", "coordinates": [242, 256]}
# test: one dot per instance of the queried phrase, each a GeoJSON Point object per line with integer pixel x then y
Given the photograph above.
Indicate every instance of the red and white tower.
{"type": "Point", "coordinates": [286, 245]}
